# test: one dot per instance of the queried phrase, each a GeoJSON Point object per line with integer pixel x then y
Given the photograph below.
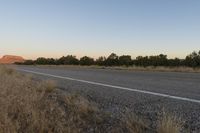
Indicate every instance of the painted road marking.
{"type": "Point", "coordinates": [116, 87]}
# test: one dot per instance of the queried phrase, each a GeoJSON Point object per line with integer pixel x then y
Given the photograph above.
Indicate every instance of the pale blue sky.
{"type": "Point", "coordinates": [52, 28]}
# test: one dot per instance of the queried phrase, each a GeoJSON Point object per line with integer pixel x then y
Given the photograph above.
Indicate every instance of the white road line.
{"type": "Point", "coordinates": [117, 87]}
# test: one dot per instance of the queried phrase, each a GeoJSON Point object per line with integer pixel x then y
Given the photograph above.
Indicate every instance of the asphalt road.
{"type": "Point", "coordinates": [145, 93]}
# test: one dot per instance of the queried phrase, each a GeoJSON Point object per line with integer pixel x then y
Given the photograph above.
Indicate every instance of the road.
{"type": "Point", "coordinates": [146, 93]}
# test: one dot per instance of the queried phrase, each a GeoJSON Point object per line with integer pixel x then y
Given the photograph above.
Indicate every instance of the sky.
{"type": "Point", "coordinates": [54, 28]}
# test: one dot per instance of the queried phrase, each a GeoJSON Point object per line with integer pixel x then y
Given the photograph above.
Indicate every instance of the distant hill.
{"type": "Point", "coordinates": [9, 59]}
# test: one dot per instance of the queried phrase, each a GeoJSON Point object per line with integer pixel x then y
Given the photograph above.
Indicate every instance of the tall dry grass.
{"type": "Point", "coordinates": [28, 106]}
{"type": "Point", "coordinates": [169, 124]}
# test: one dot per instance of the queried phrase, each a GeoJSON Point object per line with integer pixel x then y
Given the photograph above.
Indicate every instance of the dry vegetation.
{"type": "Point", "coordinates": [28, 106]}
{"type": "Point", "coordinates": [169, 124]}
{"type": "Point", "coordinates": [132, 68]}
{"type": "Point", "coordinates": [162, 69]}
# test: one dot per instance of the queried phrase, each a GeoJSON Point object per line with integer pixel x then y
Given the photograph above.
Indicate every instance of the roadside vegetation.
{"type": "Point", "coordinates": [27, 105]}
{"type": "Point", "coordinates": [192, 61]}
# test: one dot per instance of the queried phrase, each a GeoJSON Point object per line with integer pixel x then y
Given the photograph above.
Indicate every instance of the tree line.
{"type": "Point", "coordinates": [192, 60]}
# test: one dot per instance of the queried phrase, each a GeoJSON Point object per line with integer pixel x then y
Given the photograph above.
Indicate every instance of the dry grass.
{"type": "Point", "coordinates": [132, 68]}
{"type": "Point", "coordinates": [133, 123]}
{"type": "Point", "coordinates": [157, 69]}
{"type": "Point", "coordinates": [49, 85]}
{"type": "Point", "coordinates": [28, 106]}
{"type": "Point", "coordinates": [169, 124]}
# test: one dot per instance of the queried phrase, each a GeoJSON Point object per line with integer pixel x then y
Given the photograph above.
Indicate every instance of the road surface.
{"type": "Point", "coordinates": [145, 93]}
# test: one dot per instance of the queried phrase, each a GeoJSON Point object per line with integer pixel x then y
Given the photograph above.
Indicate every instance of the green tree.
{"type": "Point", "coordinates": [112, 60]}
{"type": "Point", "coordinates": [100, 61]}
{"type": "Point", "coordinates": [158, 60]}
{"type": "Point", "coordinates": [44, 61]}
{"type": "Point", "coordinates": [193, 60]}
{"type": "Point", "coordinates": [41, 61]}
{"type": "Point", "coordinates": [125, 60]}
{"type": "Point", "coordinates": [29, 62]}
{"type": "Point", "coordinates": [142, 61]}
{"type": "Point", "coordinates": [68, 60]}
{"type": "Point", "coordinates": [174, 62]}
{"type": "Point", "coordinates": [86, 61]}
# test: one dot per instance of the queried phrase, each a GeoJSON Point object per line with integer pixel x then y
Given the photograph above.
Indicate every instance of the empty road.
{"type": "Point", "coordinates": [146, 93]}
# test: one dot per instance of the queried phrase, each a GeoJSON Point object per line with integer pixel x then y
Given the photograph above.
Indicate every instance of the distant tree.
{"type": "Point", "coordinates": [41, 61]}
{"type": "Point", "coordinates": [60, 61]}
{"type": "Point", "coordinates": [193, 60]}
{"type": "Point", "coordinates": [100, 61]}
{"type": "Point", "coordinates": [162, 59]}
{"type": "Point", "coordinates": [142, 61]}
{"type": "Point", "coordinates": [29, 62]}
{"type": "Point", "coordinates": [125, 60]}
{"type": "Point", "coordinates": [19, 63]}
{"type": "Point", "coordinates": [68, 60]}
{"type": "Point", "coordinates": [86, 61]}
{"type": "Point", "coordinates": [175, 62]}
{"type": "Point", "coordinates": [50, 61]}
{"type": "Point", "coordinates": [158, 60]}
{"type": "Point", "coordinates": [112, 60]}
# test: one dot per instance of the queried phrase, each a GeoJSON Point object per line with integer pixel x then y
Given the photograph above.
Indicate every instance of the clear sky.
{"type": "Point", "coordinates": [52, 28]}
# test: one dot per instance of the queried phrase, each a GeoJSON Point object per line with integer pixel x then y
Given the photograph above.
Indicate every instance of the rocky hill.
{"type": "Point", "coordinates": [9, 59]}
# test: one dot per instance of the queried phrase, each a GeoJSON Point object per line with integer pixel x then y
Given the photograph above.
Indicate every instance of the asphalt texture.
{"type": "Point", "coordinates": [148, 107]}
